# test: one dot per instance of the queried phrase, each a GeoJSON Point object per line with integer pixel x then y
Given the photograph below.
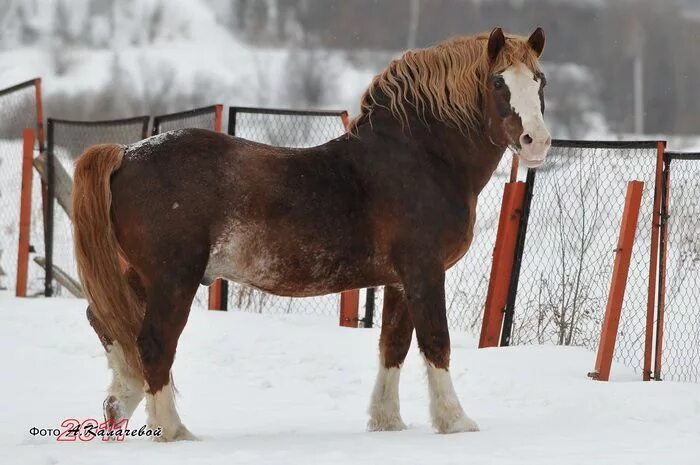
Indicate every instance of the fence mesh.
{"type": "Point", "coordinates": [577, 205]}
{"type": "Point", "coordinates": [66, 141]}
{"type": "Point", "coordinates": [284, 128]}
{"type": "Point", "coordinates": [201, 118]}
{"type": "Point", "coordinates": [466, 284]}
{"type": "Point", "coordinates": [18, 110]}
{"type": "Point", "coordinates": [681, 336]}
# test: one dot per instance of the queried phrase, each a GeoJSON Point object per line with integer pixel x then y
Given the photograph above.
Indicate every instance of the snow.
{"type": "Point", "coordinates": [294, 389]}
{"type": "Point", "coordinates": [145, 146]}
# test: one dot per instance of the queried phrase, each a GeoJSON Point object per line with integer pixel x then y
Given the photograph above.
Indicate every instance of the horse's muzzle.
{"type": "Point", "coordinates": [533, 151]}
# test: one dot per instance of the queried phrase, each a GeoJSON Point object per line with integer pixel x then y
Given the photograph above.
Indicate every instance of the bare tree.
{"type": "Point", "coordinates": [566, 296]}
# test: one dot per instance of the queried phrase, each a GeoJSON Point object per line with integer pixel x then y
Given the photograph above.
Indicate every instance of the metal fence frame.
{"type": "Point", "coordinates": [667, 215]}
{"type": "Point", "coordinates": [37, 127]}
{"type": "Point", "coordinates": [50, 166]}
{"type": "Point", "coordinates": [217, 110]}
{"type": "Point", "coordinates": [233, 111]}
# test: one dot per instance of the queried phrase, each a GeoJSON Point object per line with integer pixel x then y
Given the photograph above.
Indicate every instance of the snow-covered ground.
{"type": "Point", "coordinates": [293, 389]}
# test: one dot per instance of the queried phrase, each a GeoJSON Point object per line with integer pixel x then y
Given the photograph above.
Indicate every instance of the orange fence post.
{"type": "Point", "coordinates": [502, 264]}
{"type": "Point", "coordinates": [514, 164]}
{"type": "Point", "coordinates": [653, 261]}
{"type": "Point", "coordinates": [39, 113]}
{"type": "Point", "coordinates": [349, 308]}
{"type": "Point", "coordinates": [25, 212]}
{"type": "Point", "coordinates": [217, 288]}
{"type": "Point", "coordinates": [215, 291]}
{"type": "Point", "coordinates": [349, 300]}
{"type": "Point", "coordinates": [618, 283]}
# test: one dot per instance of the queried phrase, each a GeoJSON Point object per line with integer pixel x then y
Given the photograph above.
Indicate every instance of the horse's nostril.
{"type": "Point", "coordinates": [527, 140]}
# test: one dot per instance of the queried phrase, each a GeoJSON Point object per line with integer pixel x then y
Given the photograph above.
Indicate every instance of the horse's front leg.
{"type": "Point", "coordinates": [424, 287]}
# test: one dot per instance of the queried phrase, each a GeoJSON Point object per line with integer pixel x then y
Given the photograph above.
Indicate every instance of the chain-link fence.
{"type": "Point", "coordinates": [572, 232]}
{"type": "Point", "coordinates": [284, 128]}
{"type": "Point", "coordinates": [201, 118]}
{"type": "Point", "coordinates": [680, 357]}
{"type": "Point", "coordinates": [67, 140]}
{"type": "Point", "coordinates": [18, 110]}
{"type": "Point", "coordinates": [466, 283]}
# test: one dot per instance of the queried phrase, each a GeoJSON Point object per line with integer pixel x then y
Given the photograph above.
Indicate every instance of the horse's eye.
{"type": "Point", "coordinates": [498, 83]}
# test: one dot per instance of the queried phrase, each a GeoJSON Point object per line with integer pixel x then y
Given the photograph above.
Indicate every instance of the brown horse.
{"type": "Point", "coordinates": [391, 203]}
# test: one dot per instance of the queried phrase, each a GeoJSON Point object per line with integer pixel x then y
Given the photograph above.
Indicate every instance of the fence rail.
{"type": "Point", "coordinates": [202, 118]}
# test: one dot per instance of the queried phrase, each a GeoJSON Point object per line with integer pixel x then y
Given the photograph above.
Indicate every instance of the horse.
{"type": "Point", "coordinates": [391, 203]}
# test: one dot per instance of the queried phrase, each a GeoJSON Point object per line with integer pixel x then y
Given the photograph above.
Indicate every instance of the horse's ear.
{"type": "Point", "coordinates": [496, 42]}
{"type": "Point", "coordinates": [536, 41]}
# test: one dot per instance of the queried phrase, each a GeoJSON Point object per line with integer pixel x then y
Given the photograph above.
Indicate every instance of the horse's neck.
{"type": "Point", "coordinates": [479, 159]}
{"type": "Point", "coordinates": [470, 159]}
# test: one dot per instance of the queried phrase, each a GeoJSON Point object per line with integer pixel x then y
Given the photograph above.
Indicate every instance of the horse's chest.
{"type": "Point", "coordinates": [462, 240]}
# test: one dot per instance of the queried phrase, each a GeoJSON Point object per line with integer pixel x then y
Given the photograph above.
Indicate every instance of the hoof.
{"type": "Point", "coordinates": [113, 409]}
{"type": "Point", "coordinates": [181, 433]}
{"type": "Point", "coordinates": [461, 424]}
{"type": "Point", "coordinates": [395, 424]}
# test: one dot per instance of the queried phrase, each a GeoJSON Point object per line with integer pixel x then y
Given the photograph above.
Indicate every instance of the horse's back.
{"type": "Point", "coordinates": [274, 217]}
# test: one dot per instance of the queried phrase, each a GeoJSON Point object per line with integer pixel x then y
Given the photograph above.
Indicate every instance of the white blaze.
{"type": "Point", "coordinates": [524, 90]}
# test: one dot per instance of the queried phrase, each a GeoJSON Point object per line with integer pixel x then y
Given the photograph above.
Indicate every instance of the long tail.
{"type": "Point", "coordinates": [112, 300]}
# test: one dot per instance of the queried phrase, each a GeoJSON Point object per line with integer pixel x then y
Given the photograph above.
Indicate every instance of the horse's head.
{"type": "Point", "coordinates": [514, 96]}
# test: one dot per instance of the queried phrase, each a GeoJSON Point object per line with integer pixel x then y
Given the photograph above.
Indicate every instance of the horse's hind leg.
{"type": "Point", "coordinates": [167, 309]}
{"type": "Point", "coordinates": [127, 387]}
{"type": "Point", "coordinates": [395, 339]}
{"type": "Point", "coordinates": [425, 293]}
{"type": "Point", "coordinates": [126, 390]}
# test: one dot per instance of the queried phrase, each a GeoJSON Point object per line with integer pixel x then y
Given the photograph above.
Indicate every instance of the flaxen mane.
{"type": "Point", "coordinates": [445, 80]}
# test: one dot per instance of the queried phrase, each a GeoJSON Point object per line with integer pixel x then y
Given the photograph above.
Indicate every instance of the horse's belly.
{"type": "Point", "coordinates": [275, 266]}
